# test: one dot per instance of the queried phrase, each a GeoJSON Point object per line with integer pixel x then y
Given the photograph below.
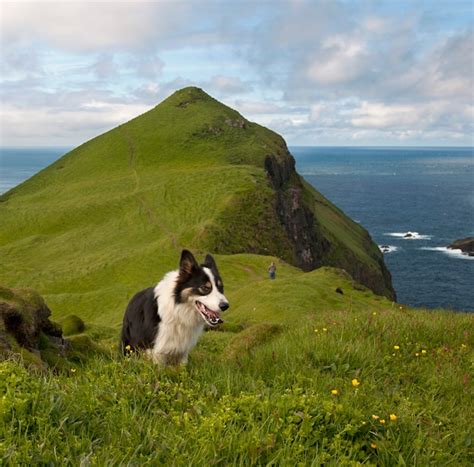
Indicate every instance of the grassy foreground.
{"type": "Point", "coordinates": [334, 380]}
{"type": "Point", "coordinates": [299, 373]}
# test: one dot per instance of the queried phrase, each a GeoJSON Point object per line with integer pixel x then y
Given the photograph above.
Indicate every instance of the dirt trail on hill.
{"type": "Point", "coordinates": [143, 205]}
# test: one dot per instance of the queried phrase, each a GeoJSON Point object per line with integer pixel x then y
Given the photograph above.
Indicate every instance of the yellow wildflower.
{"type": "Point", "coordinates": [355, 382]}
{"type": "Point", "coordinates": [374, 313]}
{"type": "Point", "coordinates": [128, 348]}
{"type": "Point", "coordinates": [375, 417]}
{"type": "Point", "coordinates": [373, 445]}
{"type": "Point", "coordinates": [325, 329]}
{"type": "Point", "coordinates": [73, 370]}
{"type": "Point", "coordinates": [423, 351]}
{"type": "Point", "coordinates": [316, 330]}
{"type": "Point", "coordinates": [393, 417]}
{"type": "Point", "coordinates": [382, 421]}
{"type": "Point", "coordinates": [417, 354]}
{"type": "Point", "coordinates": [335, 392]}
{"type": "Point", "coordinates": [396, 347]}
{"type": "Point", "coordinates": [463, 346]}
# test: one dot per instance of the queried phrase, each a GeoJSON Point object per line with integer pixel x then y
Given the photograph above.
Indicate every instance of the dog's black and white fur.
{"type": "Point", "coordinates": [167, 320]}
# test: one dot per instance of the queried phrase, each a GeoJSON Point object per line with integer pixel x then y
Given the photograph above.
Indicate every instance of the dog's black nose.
{"type": "Point", "coordinates": [223, 306]}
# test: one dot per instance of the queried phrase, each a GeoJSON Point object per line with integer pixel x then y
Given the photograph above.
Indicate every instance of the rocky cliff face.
{"type": "Point", "coordinates": [311, 246]}
{"type": "Point", "coordinates": [297, 219]}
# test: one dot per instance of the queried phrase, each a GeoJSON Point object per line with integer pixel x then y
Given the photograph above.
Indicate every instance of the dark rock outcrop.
{"type": "Point", "coordinates": [466, 245]}
{"type": "Point", "coordinates": [25, 324]}
{"type": "Point", "coordinates": [311, 247]}
{"type": "Point", "coordinates": [297, 219]}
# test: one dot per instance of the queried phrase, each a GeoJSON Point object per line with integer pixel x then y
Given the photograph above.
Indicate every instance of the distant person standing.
{"type": "Point", "coordinates": [272, 270]}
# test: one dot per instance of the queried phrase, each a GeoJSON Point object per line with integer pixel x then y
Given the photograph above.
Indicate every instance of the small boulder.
{"type": "Point", "coordinates": [25, 325]}
{"type": "Point", "coordinates": [466, 245]}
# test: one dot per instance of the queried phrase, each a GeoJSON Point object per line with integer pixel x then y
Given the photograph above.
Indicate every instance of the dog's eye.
{"type": "Point", "coordinates": [205, 289]}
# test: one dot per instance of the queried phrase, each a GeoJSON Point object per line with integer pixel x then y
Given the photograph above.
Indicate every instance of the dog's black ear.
{"type": "Point", "coordinates": [210, 263]}
{"type": "Point", "coordinates": [187, 263]}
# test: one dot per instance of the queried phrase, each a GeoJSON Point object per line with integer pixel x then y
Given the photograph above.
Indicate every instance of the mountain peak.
{"type": "Point", "coordinates": [185, 96]}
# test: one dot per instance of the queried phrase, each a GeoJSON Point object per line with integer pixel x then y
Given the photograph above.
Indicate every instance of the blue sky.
{"type": "Point", "coordinates": [318, 72]}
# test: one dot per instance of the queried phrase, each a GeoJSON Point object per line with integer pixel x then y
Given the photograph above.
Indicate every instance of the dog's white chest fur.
{"type": "Point", "coordinates": [180, 326]}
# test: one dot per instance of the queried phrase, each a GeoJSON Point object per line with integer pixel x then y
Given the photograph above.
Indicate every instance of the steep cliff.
{"type": "Point", "coordinates": [321, 234]}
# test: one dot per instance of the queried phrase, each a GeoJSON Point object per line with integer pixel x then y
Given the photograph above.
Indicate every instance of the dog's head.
{"type": "Point", "coordinates": [201, 286]}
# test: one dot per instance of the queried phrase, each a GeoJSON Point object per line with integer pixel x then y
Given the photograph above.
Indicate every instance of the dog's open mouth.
{"type": "Point", "coordinates": [212, 318]}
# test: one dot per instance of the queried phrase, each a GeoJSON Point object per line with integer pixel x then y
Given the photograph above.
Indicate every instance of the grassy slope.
{"type": "Point", "coordinates": [87, 242]}
{"type": "Point", "coordinates": [262, 394]}
{"type": "Point", "coordinates": [111, 216]}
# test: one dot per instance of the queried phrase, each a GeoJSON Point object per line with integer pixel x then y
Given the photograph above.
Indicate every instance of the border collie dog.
{"type": "Point", "coordinates": [166, 321]}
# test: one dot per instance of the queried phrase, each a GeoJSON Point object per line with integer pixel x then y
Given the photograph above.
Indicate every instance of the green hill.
{"type": "Point", "coordinates": [310, 369]}
{"type": "Point", "coordinates": [112, 215]}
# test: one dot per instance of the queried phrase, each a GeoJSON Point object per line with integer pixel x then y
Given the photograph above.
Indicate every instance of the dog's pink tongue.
{"type": "Point", "coordinates": [216, 317]}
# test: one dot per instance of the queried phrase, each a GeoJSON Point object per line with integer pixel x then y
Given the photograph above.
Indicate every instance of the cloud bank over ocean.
{"type": "Point", "coordinates": [319, 72]}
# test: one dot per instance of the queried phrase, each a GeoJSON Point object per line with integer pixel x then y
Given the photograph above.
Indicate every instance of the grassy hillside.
{"type": "Point", "coordinates": [111, 216]}
{"type": "Point", "coordinates": [302, 375]}
{"type": "Point", "coordinates": [309, 369]}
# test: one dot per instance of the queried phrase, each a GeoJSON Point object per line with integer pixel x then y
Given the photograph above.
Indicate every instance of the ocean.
{"type": "Point", "coordinates": [390, 191]}
{"type": "Point", "coordinates": [19, 164]}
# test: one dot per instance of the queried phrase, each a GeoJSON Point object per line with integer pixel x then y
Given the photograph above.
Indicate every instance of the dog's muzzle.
{"type": "Point", "coordinates": [212, 318]}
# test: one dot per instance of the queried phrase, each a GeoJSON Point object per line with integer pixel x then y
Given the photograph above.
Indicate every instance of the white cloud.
{"type": "Point", "coordinates": [251, 107]}
{"type": "Point", "coordinates": [379, 115]}
{"type": "Point", "coordinates": [225, 85]}
{"type": "Point", "coordinates": [41, 126]}
{"type": "Point", "coordinates": [340, 60]}
{"type": "Point", "coordinates": [84, 26]}
{"type": "Point", "coordinates": [313, 70]}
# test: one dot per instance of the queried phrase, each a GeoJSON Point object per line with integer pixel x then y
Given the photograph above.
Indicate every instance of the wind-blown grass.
{"type": "Point", "coordinates": [263, 395]}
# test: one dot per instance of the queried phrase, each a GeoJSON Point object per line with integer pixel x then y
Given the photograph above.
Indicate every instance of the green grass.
{"type": "Point", "coordinates": [262, 395]}
{"type": "Point", "coordinates": [111, 216]}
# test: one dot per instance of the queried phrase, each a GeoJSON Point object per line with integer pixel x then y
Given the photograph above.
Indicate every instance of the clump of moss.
{"type": "Point", "coordinates": [81, 347]}
{"type": "Point", "coordinates": [72, 324]}
{"type": "Point", "coordinates": [24, 316]}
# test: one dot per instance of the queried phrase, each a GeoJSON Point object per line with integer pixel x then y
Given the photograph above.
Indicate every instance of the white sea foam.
{"type": "Point", "coordinates": [409, 235]}
{"type": "Point", "coordinates": [388, 248]}
{"type": "Point", "coordinates": [453, 253]}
